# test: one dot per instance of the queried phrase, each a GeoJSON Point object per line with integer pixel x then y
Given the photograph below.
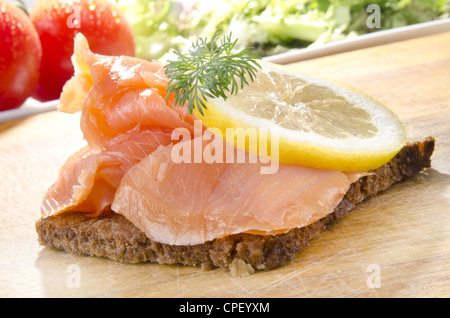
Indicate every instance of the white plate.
{"type": "Point", "coordinates": [33, 107]}
{"type": "Point", "coordinates": [29, 108]}
{"type": "Point", "coordinates": [363, 41]}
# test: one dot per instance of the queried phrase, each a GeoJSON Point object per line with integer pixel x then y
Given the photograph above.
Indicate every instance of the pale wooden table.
{"type": "Point", "coordinates": [404, 234]}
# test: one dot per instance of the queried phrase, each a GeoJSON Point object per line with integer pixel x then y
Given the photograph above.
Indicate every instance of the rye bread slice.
{"type": "Point", "coordinates": [114, 237]}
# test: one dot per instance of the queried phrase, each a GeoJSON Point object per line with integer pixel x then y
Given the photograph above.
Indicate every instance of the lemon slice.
{"type": "Point", "coordinates": [317, 123]}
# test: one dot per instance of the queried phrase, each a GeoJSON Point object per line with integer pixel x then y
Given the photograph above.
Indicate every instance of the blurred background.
{"type": "Point", "coordinates": [269, 26]}
{"type": "Point", "coordinates": [152, 29]}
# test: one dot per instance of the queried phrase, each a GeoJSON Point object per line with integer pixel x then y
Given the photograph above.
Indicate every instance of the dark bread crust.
{"type": "Point", "coordinates": [114, 237]}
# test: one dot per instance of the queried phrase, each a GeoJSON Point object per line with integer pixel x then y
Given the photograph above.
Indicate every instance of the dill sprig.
{"type": "Point", "coordinates": [209, 69]}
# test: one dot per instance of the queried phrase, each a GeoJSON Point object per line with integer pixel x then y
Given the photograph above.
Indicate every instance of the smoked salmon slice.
{"type": "Point", "coordinates": [191, 203]}
{"type": "Point", "coordinates": [88, 180]}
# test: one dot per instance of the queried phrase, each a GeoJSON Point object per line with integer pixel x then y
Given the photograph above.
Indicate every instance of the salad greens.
{"type": "Point", "coordinates": [269, 26]}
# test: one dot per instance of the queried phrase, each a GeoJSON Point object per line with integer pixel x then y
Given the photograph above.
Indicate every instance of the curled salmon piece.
{"type": "Point", "coordinates": [116, 94]}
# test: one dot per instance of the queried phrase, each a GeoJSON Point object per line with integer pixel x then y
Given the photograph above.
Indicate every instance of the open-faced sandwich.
{"type": "Point", "coordinates": [242, 175]}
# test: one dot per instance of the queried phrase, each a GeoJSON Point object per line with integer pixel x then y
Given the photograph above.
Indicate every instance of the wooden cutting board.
{"type": "Point", "coordinates": [395, 245]}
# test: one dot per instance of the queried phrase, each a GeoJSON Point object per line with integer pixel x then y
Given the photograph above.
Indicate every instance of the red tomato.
{"type": "Point", "coordinates": [57, 23]}
{"type": "Point", "coordinates": [20, 56]}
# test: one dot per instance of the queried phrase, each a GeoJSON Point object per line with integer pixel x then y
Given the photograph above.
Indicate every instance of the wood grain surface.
{"type": "Point", "coordinates": [394, 245]}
